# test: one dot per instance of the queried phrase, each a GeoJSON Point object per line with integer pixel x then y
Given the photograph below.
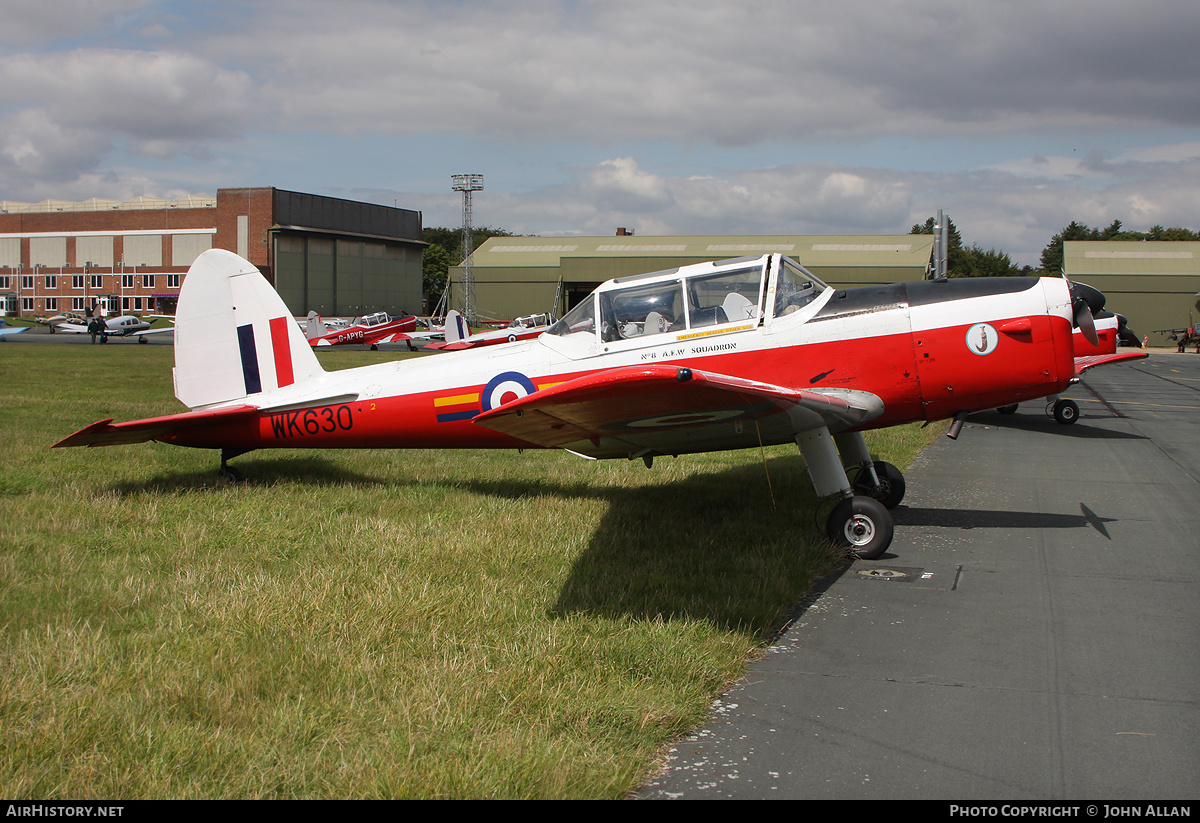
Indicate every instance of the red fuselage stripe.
{"type": "Point", "coordinates": [283, 351]}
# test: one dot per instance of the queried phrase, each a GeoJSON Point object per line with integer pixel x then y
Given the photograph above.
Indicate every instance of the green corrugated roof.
{"type": "Point", "coordinates": [1151, 257]}
{"type": "Point", "coordinates": [906, 250]}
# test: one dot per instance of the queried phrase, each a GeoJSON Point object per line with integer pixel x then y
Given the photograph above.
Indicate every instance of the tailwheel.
{"type": "Point", "coordinates": [228, 472]}
{"type": "Point", "coordinates": [890, 490]}
{"type": "Point", "coordinates": [862, 525]}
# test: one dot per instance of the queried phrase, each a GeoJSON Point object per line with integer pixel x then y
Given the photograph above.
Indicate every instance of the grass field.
{"type": "Point", "coordinates": [406, 624]}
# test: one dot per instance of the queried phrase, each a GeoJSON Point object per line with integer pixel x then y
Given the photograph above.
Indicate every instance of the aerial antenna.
{"type": "Point", "coordinates": [467, 183]}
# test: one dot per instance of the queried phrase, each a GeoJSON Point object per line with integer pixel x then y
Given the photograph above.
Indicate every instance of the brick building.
{"type": "Point", "coordinates": [336, 257]}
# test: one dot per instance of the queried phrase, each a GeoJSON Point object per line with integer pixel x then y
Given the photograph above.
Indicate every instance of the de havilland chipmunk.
{"type": "Point", "coordinates": [457, 335]}
{"type": "Point", "coordinates": [369, 330]}
{"type": "Point", "coordinates": [711, 356]}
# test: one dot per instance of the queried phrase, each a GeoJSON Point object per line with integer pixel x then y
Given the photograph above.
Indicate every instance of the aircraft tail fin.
{"type": "Point", "coordinates": [234, 336]}
{"type": "Point", "coordinates": [313, 326]}
{"type": "Point", "coordinates": [456, 328]}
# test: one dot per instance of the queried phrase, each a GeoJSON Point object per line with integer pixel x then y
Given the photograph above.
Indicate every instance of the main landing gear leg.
{"type": "Point", "coordinates": [875, 478]}
{"type": "Point", "coordinates": [859, 523]}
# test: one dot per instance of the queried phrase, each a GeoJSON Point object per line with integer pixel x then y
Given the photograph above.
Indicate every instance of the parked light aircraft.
{"type": "Point", "coordinates": [124, 326]}
{"type": "Point", "coordinates": [1097, 343]}
{"type": "Point", "coordinates": [370, 330]}
{"type": "Point", "coordinates": [712, 356]}
{"type": "Point", "coordinates": [458, 336]}
{"type": "Point", "coordinates": [62, 317]}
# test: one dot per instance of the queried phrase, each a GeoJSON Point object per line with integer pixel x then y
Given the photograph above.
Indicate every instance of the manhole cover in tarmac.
{"type": "Point", "coordinates": [885, 574]}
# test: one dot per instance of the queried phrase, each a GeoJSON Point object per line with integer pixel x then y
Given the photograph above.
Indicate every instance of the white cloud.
{"type": "Point", "coordinates": [138, 95]}
{"type": "Point", "coordinates": [667, 117]}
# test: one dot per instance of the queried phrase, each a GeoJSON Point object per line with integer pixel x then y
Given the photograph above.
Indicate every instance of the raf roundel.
{"type": "Point", "coordinates": [982, 338]}
{"type": "Point", "coordinates": [505, 388]}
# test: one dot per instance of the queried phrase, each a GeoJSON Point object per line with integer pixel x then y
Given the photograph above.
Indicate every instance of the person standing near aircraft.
{"type": "Point", "coordinates": [93, 327]}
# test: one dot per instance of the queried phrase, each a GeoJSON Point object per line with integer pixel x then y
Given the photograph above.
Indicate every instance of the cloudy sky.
{"type": "Point", "coordinates": [664, 116]}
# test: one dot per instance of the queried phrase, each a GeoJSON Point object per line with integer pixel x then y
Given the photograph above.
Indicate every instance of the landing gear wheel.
{"type": "Point", "coordinates": [231, 474]}
{"type": "Point", "coordinates": [862, 525]}
{"type": "Point", "coordinates": [1007, 409]}
{"type": "Point", "coordinates": [1066, 412]}
{"type": "Point", "coordinates": [143, 339]}
{"type": "Point", "coordinates": [891, 484]}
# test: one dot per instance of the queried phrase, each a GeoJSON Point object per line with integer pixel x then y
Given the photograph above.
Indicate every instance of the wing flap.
{"type": "Point", "coordinates": [635, 403]}
{"type": "Point", "coordinates": [107, 433]}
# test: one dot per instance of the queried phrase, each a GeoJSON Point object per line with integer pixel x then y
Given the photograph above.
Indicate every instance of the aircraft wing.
{"type": "Point", "coordinates": [144, 332]}
{"type": "Point", "coordinates": [1090, 361]}
{"type": "Point", "coordinates": [9, 330]}
{"type": "Point", "coordinates": [652, 408]}
{"type": "Point", "coordinates": [108, 433]}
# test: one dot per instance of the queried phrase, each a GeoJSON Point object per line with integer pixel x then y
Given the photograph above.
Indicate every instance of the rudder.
{"type": "Point", "coordinates": [234, 336]}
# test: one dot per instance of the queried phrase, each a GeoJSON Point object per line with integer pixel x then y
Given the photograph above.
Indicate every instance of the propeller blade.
{"type": "Point", "coordinates": [1085, 302]}
{"type": "Point", "coordinates": [1085, 322]}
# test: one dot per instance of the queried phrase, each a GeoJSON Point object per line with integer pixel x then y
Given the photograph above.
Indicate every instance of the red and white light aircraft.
{"type": "Point", "coordinates": [458, 336]}
{"type": "Point", "coordinates": [369, 330]}
{"type": "Point", "coordinates": [723, 355]}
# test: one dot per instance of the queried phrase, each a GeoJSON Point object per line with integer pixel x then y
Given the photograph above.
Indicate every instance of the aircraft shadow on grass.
{"type": "Point", "coordinates": [310, 469]}
{"type": "Point", "coordinates": [712, 547]}
{"type": "Point", "coordinates": [723, 547]}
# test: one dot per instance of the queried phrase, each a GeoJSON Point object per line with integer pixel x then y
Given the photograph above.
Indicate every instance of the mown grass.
{"type": "Point", "coordinates": [361, 624]}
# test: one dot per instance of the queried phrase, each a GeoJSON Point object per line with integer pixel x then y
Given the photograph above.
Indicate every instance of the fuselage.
{"type": "Point", "coordinates": [928, 350]}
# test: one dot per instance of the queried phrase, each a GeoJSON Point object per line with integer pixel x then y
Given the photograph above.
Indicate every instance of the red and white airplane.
{"type": "Point", "coordinates": [369, 330]}
{"type": "Point", "coordinates": [712, 356]}
{"type": "Point", "coordinates": [1094, 344]}
{"type": "Point", "coordinates": [458, 336]}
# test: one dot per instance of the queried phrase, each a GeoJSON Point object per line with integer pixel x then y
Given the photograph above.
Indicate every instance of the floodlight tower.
{"type": "Point", "coordinates": [467, 183]}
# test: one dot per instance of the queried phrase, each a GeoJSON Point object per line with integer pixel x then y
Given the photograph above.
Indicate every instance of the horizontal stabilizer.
{"type": "Point", "coordinates": [108, 433]}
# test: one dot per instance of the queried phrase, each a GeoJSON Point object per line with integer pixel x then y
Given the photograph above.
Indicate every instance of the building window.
{"type": "Point", "coordinates": [27, 281]}
{"type": "Point", "coordinates": [97, 281]}
{"type": "Point", "coordinates": [77, 304]}
{"type": "Point", "coordinates": [51, 304]}
{"type": "Point", "coordinates": [147, 281]}
{"type": "Point", "coordinates": [172, 281]}
{"type": "Point", "coordinates": [26, 304]}
{"type": "Point", "coordinates": [127, 281]}
{"type": "Point", "coordinates": [137, 304]}
{"type": "Point", "coordinates": [52, 281]}
{"type": "Point", "coordinates": [77, 281]}
{"type": "Point", "coordinates": [4, 282]}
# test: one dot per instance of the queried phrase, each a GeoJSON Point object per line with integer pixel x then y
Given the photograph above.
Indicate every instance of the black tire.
{"type": "Point", "coordinates": [891, 489]}
{"type": "Point", "coordinates": [1007, 409]}
{"type": "Point", "coordinates": [862, 525]}
{"type": "Point", "coordinates": [1066, 412]}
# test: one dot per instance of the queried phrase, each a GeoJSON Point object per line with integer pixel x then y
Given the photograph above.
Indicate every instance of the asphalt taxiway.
{"type": "Point", "coordinates": [1032, 632]}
